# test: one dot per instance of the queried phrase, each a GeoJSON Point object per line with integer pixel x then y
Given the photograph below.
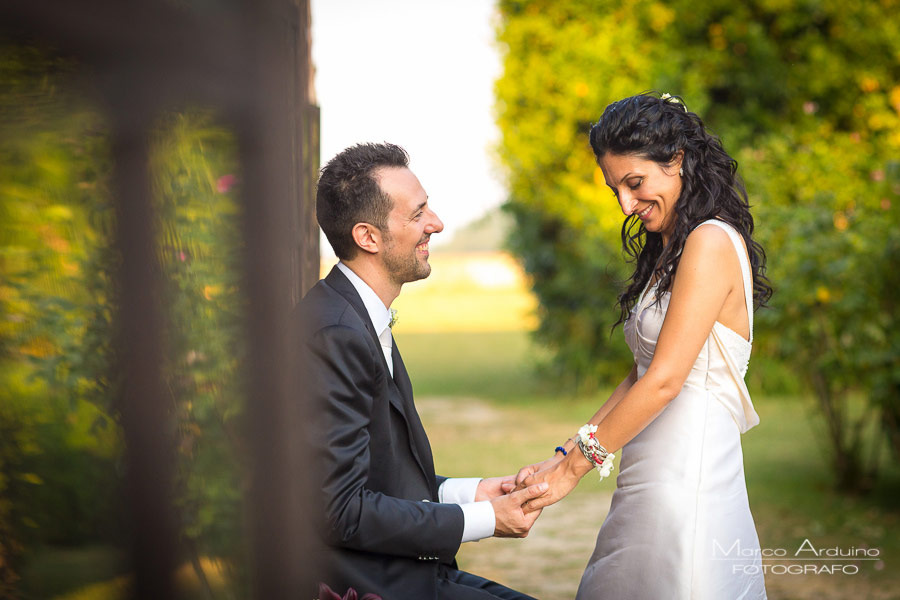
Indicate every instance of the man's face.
{"type": "Point", "coordinates": [410, 225]}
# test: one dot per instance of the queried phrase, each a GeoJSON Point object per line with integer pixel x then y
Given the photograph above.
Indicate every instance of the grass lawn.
{"type": "Point", "coordinates": [487, 415]}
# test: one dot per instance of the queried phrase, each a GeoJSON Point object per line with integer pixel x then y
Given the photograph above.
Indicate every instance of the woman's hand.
{"type": "Point", "coordinates": [530, 470]}
{"type": "Point", "coordinates": [562, 476]}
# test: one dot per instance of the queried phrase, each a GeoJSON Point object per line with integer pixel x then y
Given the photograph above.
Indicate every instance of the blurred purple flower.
{"type": "Point", "coordinates": [326, 593]}
{"type": "Point", "coordinates": [224, 183]}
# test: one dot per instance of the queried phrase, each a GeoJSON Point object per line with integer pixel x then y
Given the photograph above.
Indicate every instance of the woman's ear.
{"type": "Point", "coordinates": [677, 160]}
{"type": "Point", "coordinates": [367, 237]}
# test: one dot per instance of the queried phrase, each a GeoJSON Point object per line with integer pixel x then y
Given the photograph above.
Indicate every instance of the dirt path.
{"type": "Point", "coordinates": [549, 562]}
{"type": "Point", "coordinates": [470, 436]}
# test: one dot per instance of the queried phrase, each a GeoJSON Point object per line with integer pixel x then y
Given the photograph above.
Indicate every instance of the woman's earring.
{"type": "Point", "coordinates": [681, 171]}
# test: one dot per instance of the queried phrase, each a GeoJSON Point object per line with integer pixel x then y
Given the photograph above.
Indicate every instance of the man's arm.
{"type": "Point", "coordinates": [487, 508]}
{"type": "Point", "coordinates": [339, 381]}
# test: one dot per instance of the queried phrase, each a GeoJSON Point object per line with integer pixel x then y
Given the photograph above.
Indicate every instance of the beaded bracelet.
{"type": "Point", "coordinates": [598, 456]}
{"type": "Point", "coordinates": [563, 450]}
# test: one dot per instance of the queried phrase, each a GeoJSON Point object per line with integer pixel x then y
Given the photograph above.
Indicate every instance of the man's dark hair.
{"type": "Point", "coordinates": [349, 193]}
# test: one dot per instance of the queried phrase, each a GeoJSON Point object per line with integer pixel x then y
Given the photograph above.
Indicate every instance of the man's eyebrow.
{"type": "Point", "coordinates": [421, 206]}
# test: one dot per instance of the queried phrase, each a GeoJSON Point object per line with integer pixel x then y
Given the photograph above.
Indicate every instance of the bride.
{"type": "Point", "coordinates": [680, 507]}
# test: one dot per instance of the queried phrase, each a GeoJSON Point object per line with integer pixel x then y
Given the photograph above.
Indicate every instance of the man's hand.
{"type": "Point", "coordinates": [511, 518]}
{"type": "Point", "coordinates": [491, 487]}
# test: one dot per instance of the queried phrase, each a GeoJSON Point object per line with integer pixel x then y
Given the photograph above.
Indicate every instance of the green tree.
{"type": "Point", "coordinates": [805, 94]}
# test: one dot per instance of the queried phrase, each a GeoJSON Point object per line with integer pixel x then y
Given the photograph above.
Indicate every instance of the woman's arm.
{"type": "Point", "coordinates": [569, 445]}
{"type": "Point", "coordinates": [699, 291]}
{"type": "Point", "coordinates": [616, 397]}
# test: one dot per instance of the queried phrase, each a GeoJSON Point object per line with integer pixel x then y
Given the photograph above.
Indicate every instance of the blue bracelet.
{"type": "Point", "coordinates": [563, 450]}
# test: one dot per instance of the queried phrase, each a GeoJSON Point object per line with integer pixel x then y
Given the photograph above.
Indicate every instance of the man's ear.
{"type": "Point", "coordinates": [367, 237]}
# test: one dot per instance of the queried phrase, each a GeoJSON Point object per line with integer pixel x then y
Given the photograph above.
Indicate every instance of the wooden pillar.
{"type": "Point", "coordinates": [249, 59]}
{"type": "Point", "coordinates": [274, 184]}
{"type": "Point", "coordinates": [146, 418]}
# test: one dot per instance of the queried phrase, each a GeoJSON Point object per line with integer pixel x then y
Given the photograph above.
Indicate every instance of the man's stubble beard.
{"type": "Point", "coordinates": [404, 268]}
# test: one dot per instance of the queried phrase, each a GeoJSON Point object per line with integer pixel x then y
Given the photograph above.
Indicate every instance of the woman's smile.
{"type": "Point", "coordinates": [644, 214]}
{"type": "Point", "coordinates": [645, 189]}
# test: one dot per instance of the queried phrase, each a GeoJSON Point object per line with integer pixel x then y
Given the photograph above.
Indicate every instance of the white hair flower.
{"type": "Point", "coordinates": [667, 97]}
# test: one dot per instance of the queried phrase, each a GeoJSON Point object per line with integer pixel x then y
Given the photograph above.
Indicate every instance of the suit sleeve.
{"type": "Point", "coordinates": [340, 372]}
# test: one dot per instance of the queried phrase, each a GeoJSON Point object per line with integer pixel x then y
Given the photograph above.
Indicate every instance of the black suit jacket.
{"type": "Point", "coordinates": [378, 516]}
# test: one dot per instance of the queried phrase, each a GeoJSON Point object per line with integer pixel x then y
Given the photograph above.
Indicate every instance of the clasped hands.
{"type": "Point", "coordinates": [509, 504]}
{"type": "Point", "coordinates": [518, 499]}
{"type": "Point", "coordinates": [560, 473]}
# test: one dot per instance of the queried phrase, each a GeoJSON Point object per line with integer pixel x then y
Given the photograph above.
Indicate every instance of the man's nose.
{"type": "Point", "coordinates": [435, 225]}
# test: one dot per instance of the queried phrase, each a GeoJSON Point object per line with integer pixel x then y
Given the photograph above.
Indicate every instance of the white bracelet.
{"type": "Point", "coordinates": [599, 456]}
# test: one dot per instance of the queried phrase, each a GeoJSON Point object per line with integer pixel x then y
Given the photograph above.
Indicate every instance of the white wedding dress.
{"type": "Point", "coordinates": [680, 525]}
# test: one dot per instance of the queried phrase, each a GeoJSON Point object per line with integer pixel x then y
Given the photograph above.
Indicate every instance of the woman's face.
{"type": "Point", "coordinates": [645, 188]}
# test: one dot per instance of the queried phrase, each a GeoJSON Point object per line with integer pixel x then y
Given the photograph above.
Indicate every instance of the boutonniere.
{"type": "Point", "coordinates": [394, 318]}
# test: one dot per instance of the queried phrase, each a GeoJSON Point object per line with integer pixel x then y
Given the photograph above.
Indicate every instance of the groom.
{"type": "Point", "coordinates": [390, 526]}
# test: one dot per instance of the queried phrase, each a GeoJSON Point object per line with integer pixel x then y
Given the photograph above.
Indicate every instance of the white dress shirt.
{"type": "Point", "coordinates": [479, 519]}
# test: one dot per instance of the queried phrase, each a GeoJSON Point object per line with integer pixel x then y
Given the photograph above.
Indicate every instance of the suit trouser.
{"type": "Point", "coordinates": [454, 584]}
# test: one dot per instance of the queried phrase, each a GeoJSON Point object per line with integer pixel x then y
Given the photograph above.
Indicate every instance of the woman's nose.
{"type": "Point", "coordinates": [628, 204]}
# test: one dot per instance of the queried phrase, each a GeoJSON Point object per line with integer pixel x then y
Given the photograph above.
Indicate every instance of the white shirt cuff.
{"type": "Point", "coordinates": [458, 490]}
{"type": "Point", "coordinates": [479, 521]}
{"type": "Point", "coordinates": [478, 517]}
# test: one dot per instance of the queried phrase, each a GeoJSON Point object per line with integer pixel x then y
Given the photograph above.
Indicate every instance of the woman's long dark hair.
{"type": "Point", "coordinates": [656, 128]}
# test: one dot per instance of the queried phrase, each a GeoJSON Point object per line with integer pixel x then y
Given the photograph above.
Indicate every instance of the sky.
{"type": "Point", "coordinates": [418, 73]}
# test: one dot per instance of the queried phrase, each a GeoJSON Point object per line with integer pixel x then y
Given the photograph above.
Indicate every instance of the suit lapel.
{"type": "Point", "coordinates": [420, 445]}
{"type": "Point", "coordinates": [342, 285]}
{"type": "Point", "coordinates": [401, 395]}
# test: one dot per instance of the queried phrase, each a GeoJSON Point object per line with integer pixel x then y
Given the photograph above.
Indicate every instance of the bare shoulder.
{"type": "Point", "coordinates": [708, 244]}
{"type": "Point", "coordinates": [708, 235]}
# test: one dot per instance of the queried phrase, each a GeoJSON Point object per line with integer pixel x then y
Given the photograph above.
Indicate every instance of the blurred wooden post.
{"type": "Point", "coordinates": [249, 59]}
{"type": "Point", "coordinates": [272, 140]}
{"type": "Point", "coordinates": [145, 405]}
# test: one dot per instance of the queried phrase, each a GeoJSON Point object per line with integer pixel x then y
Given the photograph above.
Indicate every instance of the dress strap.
{"type": "Point", "coordinates": [745, 266]}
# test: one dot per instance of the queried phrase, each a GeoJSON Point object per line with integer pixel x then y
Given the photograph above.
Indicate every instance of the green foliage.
{"type": "Point", "coordinates": [804, 93]}
{"type": "Point", "coordinates": [834, 319]}
{"type": "Point", "coordinates": [60, 442]}
{"type": "Point", "coordinates": [564, 62]}
{"type": "Point", "coordinates": [193, 163]}
{"type": "Point", "coordinates": [576, 282]}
